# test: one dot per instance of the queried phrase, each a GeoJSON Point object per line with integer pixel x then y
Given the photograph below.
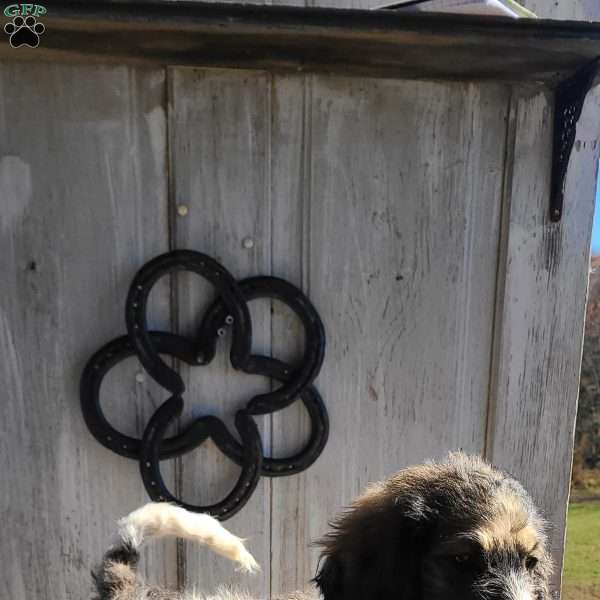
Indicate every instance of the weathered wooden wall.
{"type": "Point", "coordinates": [579, 10]}
{"type": "Point", "coordinates": [536, 382]}
{"type": "Point", "coordinates": [542, 287]}
{"type": "Point", "coordinates": [414, 216]}
{"type": "Point", "coordinates": [83, 195]}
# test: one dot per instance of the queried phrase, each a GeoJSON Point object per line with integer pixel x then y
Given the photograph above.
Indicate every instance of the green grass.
{"type": "Point", "coordinates": [581, 577]}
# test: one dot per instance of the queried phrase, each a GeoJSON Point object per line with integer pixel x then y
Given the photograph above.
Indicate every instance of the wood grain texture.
{"type": "Point", "coordinates": [83, 204]}
{"type": "Point", "coordinates": [293, 501]}
{"type": "Point", "coordinates": [219, 133]}
{"type": "Point", "coordinates": [396, 221]}
{"type": "Point", "coordinates": [579, 10]}
{"type": "Point", "coordinates": [541, 308]}
{"type": "Point", "coordinates": [548, 382]}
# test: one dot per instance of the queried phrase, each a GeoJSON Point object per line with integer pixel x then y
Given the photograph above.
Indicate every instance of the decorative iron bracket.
{"type": "Point", "coordinates": [568, 104]}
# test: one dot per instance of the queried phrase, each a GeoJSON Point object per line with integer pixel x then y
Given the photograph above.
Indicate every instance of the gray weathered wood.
{"type": "Point", "coordinates": [548, 383]}
{"type": "Point", "coordinates": [83, 204]}
{"type": "Point", "coordinates": [541, 306]}
{"type": "Point", "coordinates": [292, 497]}
{"type": "Point", "coordinates": [580, 10]}
{"type": "Point", "coordinates": [393, 233]}
{"type": "Point", "coordinates": [220, 165]}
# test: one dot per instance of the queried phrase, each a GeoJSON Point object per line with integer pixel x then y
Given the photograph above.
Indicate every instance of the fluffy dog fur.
{"type": "Point", "coordinates": [458, 530]}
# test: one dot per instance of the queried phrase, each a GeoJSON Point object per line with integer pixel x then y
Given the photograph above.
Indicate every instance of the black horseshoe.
{"type": "Point", "coordinates": [135, 312]}
{"type": "Point", "coordinates": [314, 351]}
{"type": "Point", "coordinates": [291, 465]}
{"type": "Point", "coordinates": [150, 468]}
{"type": "Point", "coordinates": [229, 308]}
{"type": "Point", "coordinates": [195, 434]}
{"type": "Point", "coordinates": [91, 380]}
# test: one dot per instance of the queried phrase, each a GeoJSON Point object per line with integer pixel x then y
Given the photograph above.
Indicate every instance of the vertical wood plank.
{"type": "Point", "coordinates": [548, 466]}
{"type": "Point", "coordinates": [83, 204]}
{"type": "Point", "coordinates": [396, 219]}
{"type": "Point", "coordinates": [219, 132]}
{"type": "Point", "coordinates": [541, 309]}
{"type": "Point", "coordinates": [293, 505]}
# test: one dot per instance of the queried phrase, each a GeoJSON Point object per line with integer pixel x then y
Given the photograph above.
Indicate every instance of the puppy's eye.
{"type": "Point", "coordinates": [462, 559]}
{"type": "Point", "coordinates": [531, 562]}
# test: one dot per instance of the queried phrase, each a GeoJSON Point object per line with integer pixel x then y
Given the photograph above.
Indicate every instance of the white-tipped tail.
{"type": "Point", "coordinates": [159, 519]}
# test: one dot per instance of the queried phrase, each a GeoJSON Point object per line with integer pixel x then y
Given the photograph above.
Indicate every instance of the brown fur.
{"type": "Point", "coordinates": [456, 530]}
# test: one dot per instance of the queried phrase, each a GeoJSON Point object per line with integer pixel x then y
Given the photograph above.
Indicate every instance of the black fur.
{"type": "Point", "coordinates": [408, 539]}
{"type": "Point", "coordinates": [108, 578]}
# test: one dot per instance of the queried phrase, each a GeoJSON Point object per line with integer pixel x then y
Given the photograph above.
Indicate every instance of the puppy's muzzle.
{"type": "Point", "coordinates": [508, 584]}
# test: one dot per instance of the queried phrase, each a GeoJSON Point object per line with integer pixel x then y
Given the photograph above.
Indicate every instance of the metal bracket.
{"type": "Point", "coordinates": [568, 104]}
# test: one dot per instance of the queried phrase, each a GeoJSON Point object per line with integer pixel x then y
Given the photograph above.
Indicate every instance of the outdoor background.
{"type": "Point", "coordinates": [582, 559]}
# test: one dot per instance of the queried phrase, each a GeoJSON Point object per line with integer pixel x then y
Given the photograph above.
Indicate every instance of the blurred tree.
{"type": "Point", "coordinates": [587, 432]}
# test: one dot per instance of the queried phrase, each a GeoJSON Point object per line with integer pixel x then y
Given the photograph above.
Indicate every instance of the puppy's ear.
{"type": "Point", "coordinates": [330, 580]}
{"type": "Point", "coordinates": [374, 550]}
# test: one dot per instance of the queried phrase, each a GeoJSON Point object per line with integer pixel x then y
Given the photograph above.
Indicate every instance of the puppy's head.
{"type": "Point", "coordinates": [457, 530]}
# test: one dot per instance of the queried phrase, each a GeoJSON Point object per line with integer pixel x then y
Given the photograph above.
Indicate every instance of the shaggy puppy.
{"type": "Point", "coordinates": [457, 530]}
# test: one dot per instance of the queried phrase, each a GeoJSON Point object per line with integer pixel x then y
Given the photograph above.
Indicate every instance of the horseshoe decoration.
{"type": "Point", "coordinates": [229, 309]}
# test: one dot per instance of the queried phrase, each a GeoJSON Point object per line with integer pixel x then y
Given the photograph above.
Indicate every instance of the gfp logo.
{"type": "Point", "coordinates": [24, 29]}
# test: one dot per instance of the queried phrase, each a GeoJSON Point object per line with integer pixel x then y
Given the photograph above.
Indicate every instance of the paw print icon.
{"type": "Point", "coordinates": [24, 31]}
